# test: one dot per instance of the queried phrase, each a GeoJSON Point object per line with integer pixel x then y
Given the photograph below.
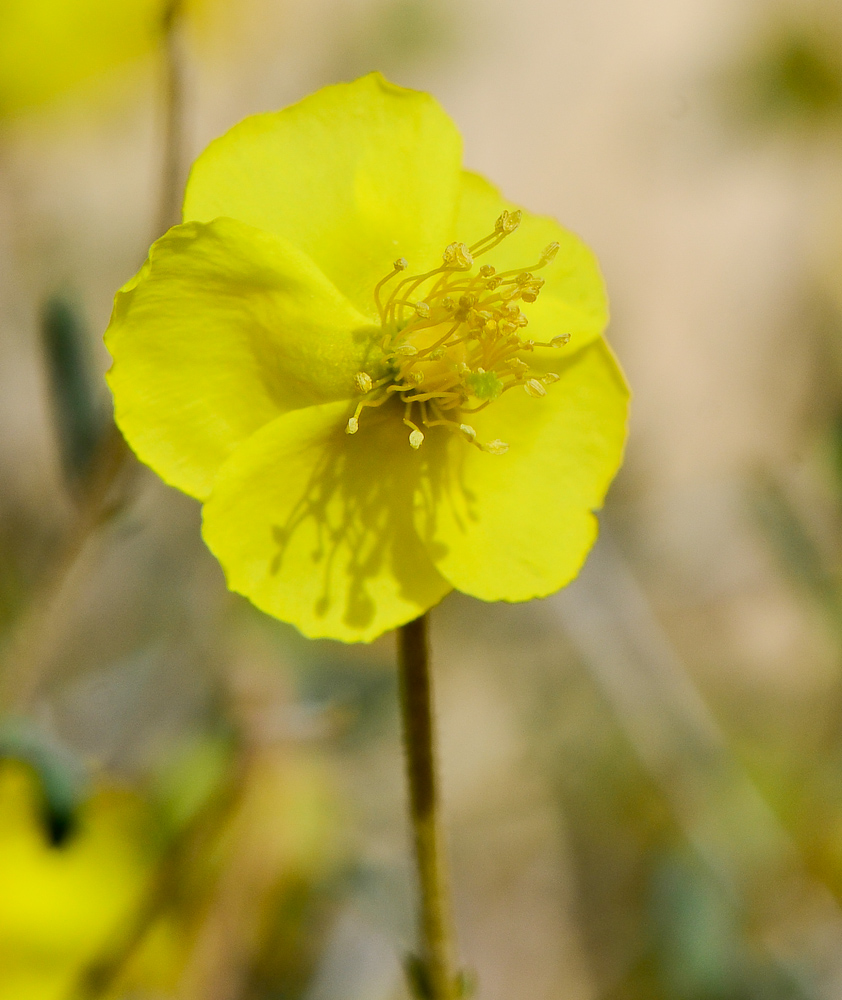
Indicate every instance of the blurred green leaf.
{"type": "Point", "coordinates": [793, 77]}
{"type": "Point", "coordinates": [797, 552]}
{"type": "Point", "coordinates": [60, 776]}
{"type": "Point", "coordinates": [76, 405]}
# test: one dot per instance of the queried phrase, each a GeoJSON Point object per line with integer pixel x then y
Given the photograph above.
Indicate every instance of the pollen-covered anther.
{"type": "Point", "coordinates": [352, 426]}
{"type": "Point", "coordinates": [550, 378]}
{"type": "Point", "coordinates": [452, 339]}
{"type": "Point", "coordinates": [508, 222]}
{"type": "Point", "coordinates": [401, 264]}
{"type": "Point", "coordinates": [562, 340]}
{"type": "Point", "coordinates": [458, 256]}
{"type": "Point", "coordinates": [534, 388]}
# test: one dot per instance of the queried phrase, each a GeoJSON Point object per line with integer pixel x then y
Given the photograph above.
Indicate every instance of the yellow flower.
{"type": "Point", "coordinates": [332, 353]}
{"type": "Point", "coordinates": [61, 907]}
{"type": "Point", "coordinates": [48, 47]}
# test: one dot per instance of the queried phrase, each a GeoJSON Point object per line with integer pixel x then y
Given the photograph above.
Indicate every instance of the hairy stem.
{"type": "Point", "coordinates": [435, 965]}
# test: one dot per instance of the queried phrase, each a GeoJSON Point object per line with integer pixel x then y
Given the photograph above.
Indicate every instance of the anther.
{"type": "Point", "coordinates": [407, 350]}
{"type": "Point", "coordinates": [458, 256]}
{"type": "Point", "coordinates": [508, 222]}
{"type": "Point", "coordinates": [550, 377]}
{"type": "Point", "coordinates": [415, 439]}
{"type": "Point", "coordinates": [401, 264]}
{"type": "Point", "coordinates": [549, 252]}
{"type": "Point", "coordinates": [352, 426]}
{"type": "Point", "coordinates": [422, 310]}
{"type": "Point", "coordinates": [496, 447]}
{"type": "Point", "coordinates": [362, 381]}
{"type": "Point", "coordinates": [486, 271]}
{"type": "Point", "coordinates": [468, 431]}
{"type": "Point", "coordinates": [534, 388]}
{"type": "Point", "coordinates": [562, 340]}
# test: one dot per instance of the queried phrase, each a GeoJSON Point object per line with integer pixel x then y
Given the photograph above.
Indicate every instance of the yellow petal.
{"type": "Point", "coordinates": [573, 299]}
{"type": "Point", "coordinates": [355, 175]}
{"type": "Point", "coordinates": [314, 525]}
{"type": "Point", "coordinates": [518, 525]}
{"type": "Point", "coordinates": [223, 329]}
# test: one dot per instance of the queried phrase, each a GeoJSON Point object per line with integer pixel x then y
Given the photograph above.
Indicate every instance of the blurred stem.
{"type": "Point", "coordinates": [25, 660]}
{"type": "Point", "coordinates": [26, 657]}
{"type": "Point", "coordinates": [168, 885]}
{"type": "Point", "coordinates": [169, 209]}
{"type": "Point", "coordinates": [435, 968]}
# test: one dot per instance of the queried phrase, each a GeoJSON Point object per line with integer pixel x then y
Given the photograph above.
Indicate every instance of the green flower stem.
{"type": "Point", "coordinates": [435, 969]}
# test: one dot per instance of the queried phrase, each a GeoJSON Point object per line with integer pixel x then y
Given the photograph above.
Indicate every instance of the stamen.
{"type": "Point", "coordinates": [508, 222]}
{"type": "Point", "coordinates": [451, 339]}
{"type": "Point", "coordinates": [458, 256]}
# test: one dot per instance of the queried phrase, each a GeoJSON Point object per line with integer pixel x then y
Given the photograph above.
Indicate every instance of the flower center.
{"type": "Point", "coordinates": [453, 339]}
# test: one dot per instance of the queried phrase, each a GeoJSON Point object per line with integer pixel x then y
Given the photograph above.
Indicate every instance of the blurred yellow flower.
{"type": "Point", "coordinates": [50, 46]}
{"type": "Point", "coordinates": [61, 906]}
{"type": "Point", "coordinates": [350, 388]}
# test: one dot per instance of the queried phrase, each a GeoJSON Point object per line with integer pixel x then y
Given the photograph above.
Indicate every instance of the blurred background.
{"type": "Point", "coordinates": [642, 774]}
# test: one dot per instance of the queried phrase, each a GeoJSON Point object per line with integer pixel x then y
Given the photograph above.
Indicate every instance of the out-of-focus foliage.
{"type": "Point", "coordinates": [78, 413]}
{"type": "Point", "coordinates": [791, 77]}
